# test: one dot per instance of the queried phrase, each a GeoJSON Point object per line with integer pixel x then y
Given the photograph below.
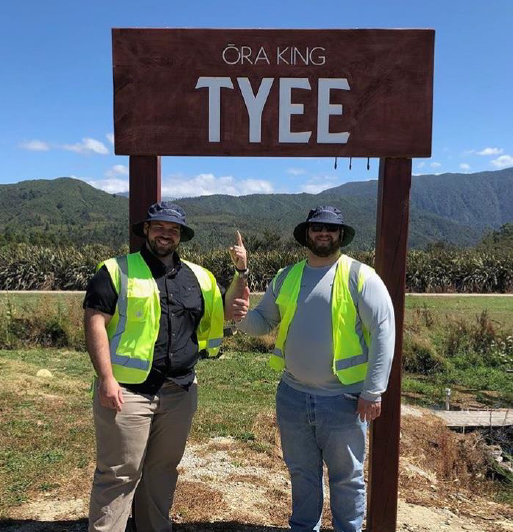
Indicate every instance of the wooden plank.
{"type": "Point", "coordinates": [144, 190]}
{"type": "Point", "coordinates": [391, 245]}
{"type": "Point", "coordinates": [476, 418]}
{"type": "Point", "coordinates": [386, 107]}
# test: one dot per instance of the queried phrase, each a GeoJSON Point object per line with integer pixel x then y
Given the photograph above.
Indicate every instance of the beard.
{"type": "Point", "coordinates": [324, 249]}
{"type": "Point", "coordinates": [160, 250]}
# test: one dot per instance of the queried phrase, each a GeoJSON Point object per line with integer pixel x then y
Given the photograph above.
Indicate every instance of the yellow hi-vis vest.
{"type": "Point", "coordinates": [134, 328]}
{"type": "Point", "coordinates": [349, 355]}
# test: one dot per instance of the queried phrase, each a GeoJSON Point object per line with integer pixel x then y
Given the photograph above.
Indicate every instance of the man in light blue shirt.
{"type": "Point", "coordinates": [325, 400]}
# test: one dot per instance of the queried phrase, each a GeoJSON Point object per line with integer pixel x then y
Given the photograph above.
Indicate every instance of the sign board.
{"type": "Point", "coordinates": [346, 93]}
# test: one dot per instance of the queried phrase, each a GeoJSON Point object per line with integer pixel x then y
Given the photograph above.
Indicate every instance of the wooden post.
{"type": "Point", "coordinates": [144, 190]}
{"type": "Point", "coordinates": [391, 246]}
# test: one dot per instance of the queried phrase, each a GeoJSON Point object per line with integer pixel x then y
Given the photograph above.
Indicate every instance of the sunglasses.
{"type": "Point", "coordinates": [330, 228]}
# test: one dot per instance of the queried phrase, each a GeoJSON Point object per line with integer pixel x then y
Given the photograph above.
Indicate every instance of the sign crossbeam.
{"type": "Point", "coordinates": [346, 93]}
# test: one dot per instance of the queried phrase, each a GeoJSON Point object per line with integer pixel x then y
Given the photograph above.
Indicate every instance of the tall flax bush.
{"type": "Point", "coordinates": [28, 267]}
{"type": "Point", "coordinates": [464, 271]}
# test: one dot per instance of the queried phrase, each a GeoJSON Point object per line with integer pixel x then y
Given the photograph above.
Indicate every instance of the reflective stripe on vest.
{"type": "Point", "coordinates": [133, 329]}
{"type": "Point", "coordinates": [123, 360]}
{"type": "Point", "coordinates": [350, 339]}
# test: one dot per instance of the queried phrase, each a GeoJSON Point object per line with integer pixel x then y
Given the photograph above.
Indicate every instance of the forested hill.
{"type": "Point", "coordinates": [454, 208]}
{"type": "Point", "coordinates": [61, 210]}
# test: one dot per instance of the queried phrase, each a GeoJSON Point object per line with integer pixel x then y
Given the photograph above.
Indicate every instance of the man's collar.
{"type": "Point", "coordinates": [157, 267]}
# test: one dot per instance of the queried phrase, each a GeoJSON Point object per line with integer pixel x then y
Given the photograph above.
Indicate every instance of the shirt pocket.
{"type": "Point", "coordinates": [191, 301]}
{"type": "Point", "coordinates": [139, 299]}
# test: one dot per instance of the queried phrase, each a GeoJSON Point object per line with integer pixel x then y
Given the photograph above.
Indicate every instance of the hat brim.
{"type": "Point", "coordinates": [186, 232]}
{"type": "Point", "coordinates": [300, 232]}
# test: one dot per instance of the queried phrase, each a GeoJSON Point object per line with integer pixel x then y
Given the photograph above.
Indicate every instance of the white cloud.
{"type": "Point", "coordinates": [112, 185]}
{"type": "Point", "coordinates": [296, 171]}
{"type": "Point", "coordinates": [110, 137]}
{"type": "Point", "coordinates": [208, 184]}
{"type": "Point", "coordinates": [178, 186]}
{"type": "Point", "coordinates": [35, 145]}
{"type": "Point", "coordinates": [117, 170]}
{"type": "Point", "coordinates": [87, 146]}
{"type": "Point", "coordinates": [465, 167]}
{"type": "Point", "coordinates": [490, 151]}
{"type": "Point", "coordinates": [503, 161]}
{"type": "Point", "coordinates": [435, 165]}
{"type": "Point", "coordinates": [319, 183]}
{"type": "Point", "coordinates": [421, 164]}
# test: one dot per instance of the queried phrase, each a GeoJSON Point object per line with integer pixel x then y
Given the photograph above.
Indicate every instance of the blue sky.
{"type": "Point", "coordinates": [56, 89]}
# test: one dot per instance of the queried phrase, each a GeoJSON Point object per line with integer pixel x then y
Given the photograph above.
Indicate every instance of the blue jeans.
{"type": "Point", "coordinates": [313, 429]}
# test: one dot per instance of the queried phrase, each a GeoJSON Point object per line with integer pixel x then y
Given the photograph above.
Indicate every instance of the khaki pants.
{"type": "Point", "coordinates": [138, 451]}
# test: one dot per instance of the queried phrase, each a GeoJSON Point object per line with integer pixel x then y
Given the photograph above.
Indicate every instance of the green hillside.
{"type": "Point", "coordinates": [501, 239]}
{"type": "Point", "coordinates": [62, 210]}
{"type": "Point", "coordinates": [452, 208]}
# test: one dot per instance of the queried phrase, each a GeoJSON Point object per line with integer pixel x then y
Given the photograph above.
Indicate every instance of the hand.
{"type": "Point", "coordinates": [238, 254]}
{"type": "Point", "coordinates": [368, 410]}
{"type": "Point", "coordinates": [240, 306]}
{"type": "Point", "coordinates": [110, 394]}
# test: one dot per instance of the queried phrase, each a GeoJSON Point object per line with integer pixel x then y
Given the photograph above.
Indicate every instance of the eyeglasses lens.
{"type": "Point", "coordinates": [317, 228]}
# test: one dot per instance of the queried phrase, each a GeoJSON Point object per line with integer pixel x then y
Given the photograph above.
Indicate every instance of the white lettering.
{"type": "Point", "coordinates": [245, 53]}
{"type": "Point", "coordinates": [262, 56]}
{"type": "Point", "coordinates": [234, 53]}
{"type": "Point", "coordinates": [214, 85]}
{"type": "Point", "coordinates": [255, 105]}
{"type": "Point", "coordinates": [303, 58]}
{"type": "Point", "coordinates": [325, 110]}
{"type": "Point", "coordinates": [287, 108]}
{"type": "Point", "coordinates": [317, 59]}
{"type": "Point", "coordinates": [279, 56]}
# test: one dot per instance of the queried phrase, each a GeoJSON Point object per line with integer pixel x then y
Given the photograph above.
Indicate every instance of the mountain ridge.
{"type": "Point", "coordinates": [453, 208]}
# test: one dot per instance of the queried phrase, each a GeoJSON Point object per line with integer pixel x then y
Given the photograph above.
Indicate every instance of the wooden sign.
{"type": "Point", "coordinates": [358, 93]}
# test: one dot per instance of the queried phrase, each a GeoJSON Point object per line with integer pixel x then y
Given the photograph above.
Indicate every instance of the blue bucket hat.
{"type": "Point", "coordinates": [324, 215]}
{"type": "Point", "coordinates": [165, 211]}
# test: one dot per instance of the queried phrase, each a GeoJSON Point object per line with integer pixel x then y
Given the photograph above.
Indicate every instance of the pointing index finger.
{"type": "Point", "coordinates": [239, 239]}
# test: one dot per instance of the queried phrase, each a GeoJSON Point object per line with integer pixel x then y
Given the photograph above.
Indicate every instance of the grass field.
{"type": "Point", "coordinates": [46, 431]}
{"type": "Point", "coordinates": [461, 342]}
{"type": "Point", "coordinates": [499, 308]}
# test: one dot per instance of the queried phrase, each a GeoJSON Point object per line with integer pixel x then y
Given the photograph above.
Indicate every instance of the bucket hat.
{"type": "Point", "coordinates": [165, 211]}
{"type": "Point", "coordinates": [324, 214]}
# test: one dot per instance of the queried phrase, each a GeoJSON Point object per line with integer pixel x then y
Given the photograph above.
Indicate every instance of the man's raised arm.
{"type": "Point", "coordinates": [236, 300]}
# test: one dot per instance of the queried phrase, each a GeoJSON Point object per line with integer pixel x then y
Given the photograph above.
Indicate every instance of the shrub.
{"type": "Point", "coordinates": [33, 267]}
{"type": "Point", "coordinates": [419, 355]}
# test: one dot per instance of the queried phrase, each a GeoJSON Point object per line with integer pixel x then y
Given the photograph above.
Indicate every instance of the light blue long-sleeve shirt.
{"type": "Point", "coordinates": [309, 347]}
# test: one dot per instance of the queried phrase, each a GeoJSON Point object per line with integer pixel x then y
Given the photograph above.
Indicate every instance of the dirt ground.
{"type": "Point", "coordinates": [226, 485]}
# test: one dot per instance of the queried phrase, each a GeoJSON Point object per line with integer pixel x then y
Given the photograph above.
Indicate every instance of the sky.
{"type": "Point", "coordinates": [56, 94]}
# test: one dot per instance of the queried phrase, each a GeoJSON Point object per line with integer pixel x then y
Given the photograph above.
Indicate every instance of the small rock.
{"type": "Point", "coordinates": [44, 373]}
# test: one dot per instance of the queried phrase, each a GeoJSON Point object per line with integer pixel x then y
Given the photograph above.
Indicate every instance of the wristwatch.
{"type": "Point", "coordinates": [242, 273]}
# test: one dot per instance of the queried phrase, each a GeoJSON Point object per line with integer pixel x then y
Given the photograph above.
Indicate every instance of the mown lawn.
{"type": "Point", "coordinates": [499, 308]}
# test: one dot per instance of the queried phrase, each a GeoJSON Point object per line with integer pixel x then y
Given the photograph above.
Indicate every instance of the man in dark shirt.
{"type": "Point", "coordinates": [147, 316]}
